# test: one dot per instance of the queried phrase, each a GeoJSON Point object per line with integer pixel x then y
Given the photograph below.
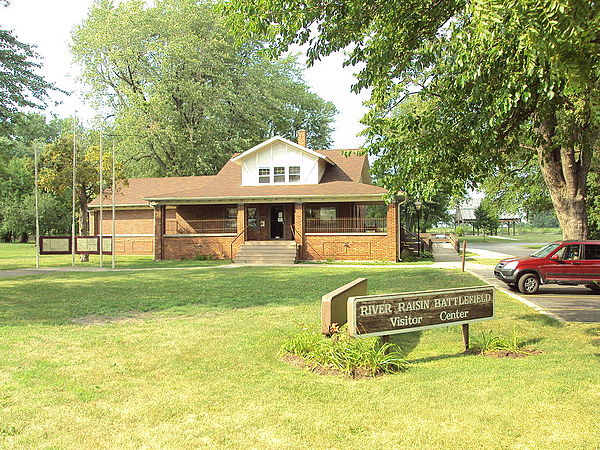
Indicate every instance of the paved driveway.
{"type": "Point", "coordinates": [568, 303]}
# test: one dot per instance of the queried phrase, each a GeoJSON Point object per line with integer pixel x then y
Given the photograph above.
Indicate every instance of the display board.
{"type": "Point", "coordinates": [55, 245]}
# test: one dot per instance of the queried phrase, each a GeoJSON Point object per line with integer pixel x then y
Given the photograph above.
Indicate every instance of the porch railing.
{"type": "Point", "coordinates": [201, 226]}
{"type": "Point", "coordinates": [347, 225]}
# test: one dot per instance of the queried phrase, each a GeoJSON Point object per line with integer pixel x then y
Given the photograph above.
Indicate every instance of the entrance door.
{"type": "Point", "coordinates": [276, 222]}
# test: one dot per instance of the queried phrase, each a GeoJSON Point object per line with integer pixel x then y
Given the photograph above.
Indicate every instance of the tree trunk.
{"type": "Point", "coordinates": [565, 171]}
{"type": "Point", "coordinates": [84, 222]}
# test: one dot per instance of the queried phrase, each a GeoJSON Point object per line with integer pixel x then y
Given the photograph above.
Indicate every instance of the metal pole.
{"type": "Point", "coordinates": [37, 212]}
{"type": "Point", "coordinates": [113, 239]}
{"type": "Point", "coordinates": [101, 189]}
{"type": "Point", "coordinates": [73, 187]}
{"type": "Point", "coordinates": [419, 231]}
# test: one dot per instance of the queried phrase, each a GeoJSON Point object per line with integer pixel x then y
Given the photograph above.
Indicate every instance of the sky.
{"type": "Point", "coordinates": [47, 24]}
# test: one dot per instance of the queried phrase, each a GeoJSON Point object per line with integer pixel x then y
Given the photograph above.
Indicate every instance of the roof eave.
{"type": "Point", "coordinates": [293, 144]}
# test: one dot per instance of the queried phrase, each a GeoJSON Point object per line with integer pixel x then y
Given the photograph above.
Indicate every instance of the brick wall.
{"type": "Point", "coordinates": [187, 247]}
{"type": "Point", "coordinates": [363, 247]}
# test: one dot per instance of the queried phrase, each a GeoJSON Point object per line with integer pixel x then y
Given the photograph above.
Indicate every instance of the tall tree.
{"type": "Point", "coordinates": [185, 94]}
{"type": "Point", "coordinates": [56, 174]}
{"type": "Point", "coordinates": [492, 77]}
{"type": "Point", "coordinates": [20, 85]}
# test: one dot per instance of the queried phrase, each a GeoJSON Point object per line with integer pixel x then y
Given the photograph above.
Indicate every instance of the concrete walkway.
{"type": "Point", "coordinates": [445, 253]}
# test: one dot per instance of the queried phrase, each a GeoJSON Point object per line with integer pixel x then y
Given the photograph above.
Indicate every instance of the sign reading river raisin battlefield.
{"type": "Point", "coordinates": [380, 315]}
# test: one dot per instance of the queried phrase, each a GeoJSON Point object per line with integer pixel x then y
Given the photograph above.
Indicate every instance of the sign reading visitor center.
{"type": "Point", "coordinates": [381, 315]}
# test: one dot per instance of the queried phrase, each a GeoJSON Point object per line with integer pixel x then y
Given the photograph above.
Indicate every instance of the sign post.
{"type": "Point", "coordinates": [384, 315]}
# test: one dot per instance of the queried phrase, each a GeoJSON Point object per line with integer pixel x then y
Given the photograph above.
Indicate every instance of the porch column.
{"type": "Point", "coordinates": [241, 226]}
{"type": "Point", "coordinates": [392, 231]}
{"type": "Point", "coordinates": [159, 231]}
{"type": "Point", "coordinates": [299, 227]}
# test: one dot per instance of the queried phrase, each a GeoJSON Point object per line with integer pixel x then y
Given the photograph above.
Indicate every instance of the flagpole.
{"type": "Point", "coordinates": [113, 241]}
{"type": "Point", "coordinates": [101, 242]}
{"type": "Point", "coordinates": [37, 212]}
{"type": "Point", "coordinates": [73, 187]}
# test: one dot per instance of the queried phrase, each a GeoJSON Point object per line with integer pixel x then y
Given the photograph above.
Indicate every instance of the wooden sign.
{"type": "Point", "coordinates": [55, 245]}
{"type": "Point", "coordinates": [382, 315]}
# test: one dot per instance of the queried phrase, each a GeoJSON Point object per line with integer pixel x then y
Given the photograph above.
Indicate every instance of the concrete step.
{"type": "Point", "coordinates": [267, 252]}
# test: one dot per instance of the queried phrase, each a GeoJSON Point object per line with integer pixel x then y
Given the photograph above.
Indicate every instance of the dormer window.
{"type": "Point", "coordinates": [294, 174]}
{"type": "Point", "coordinates": [279, 175]}
{"type": "Point", "coordinates": [264, 175]}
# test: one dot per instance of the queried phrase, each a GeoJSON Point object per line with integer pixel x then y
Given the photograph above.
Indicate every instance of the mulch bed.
{"type": "Point", "coordinates": [298, 361]}
{"type": "Point", "coordinates": [523, 353]}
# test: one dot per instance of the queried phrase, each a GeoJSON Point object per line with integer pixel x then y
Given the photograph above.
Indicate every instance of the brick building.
{"type": "Point", "coordinates": [274, 201]}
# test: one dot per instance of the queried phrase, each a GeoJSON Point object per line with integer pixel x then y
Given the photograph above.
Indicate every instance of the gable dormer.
{"type": "Point", "coordinates": [279, 161]}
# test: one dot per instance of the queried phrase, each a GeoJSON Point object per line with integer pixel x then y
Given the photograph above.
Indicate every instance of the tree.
{"type": "Point", "coordinates": [20, 85]}
{"type": "Point", "coordinates": [56, 172]}
{"type": "Point", "coordinates": [494, 79]}
{"type": "Point", "coordinates": [486, 219]}
{"type": "Point", "coordinates": [186, 96]}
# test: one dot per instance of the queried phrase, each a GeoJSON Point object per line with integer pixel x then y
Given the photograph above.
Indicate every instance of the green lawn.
{"type": "Point", "coordinates": [192, 361]}
{"type": "Point", "coordinates": [528, 237]}
{"type": "Point", "coordinates": [22, 256]}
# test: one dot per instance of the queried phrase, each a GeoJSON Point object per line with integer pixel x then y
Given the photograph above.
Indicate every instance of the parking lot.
{"type": "Point", "coordinates": [568, 303]}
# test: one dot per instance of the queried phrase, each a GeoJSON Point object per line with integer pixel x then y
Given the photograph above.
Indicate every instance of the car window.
{"type": "Point", "coordinates": [545, 251]}
{"type": "Point", "coordinates": [592, 251]}
{"type": "Point", "coordinates": [569, 252]}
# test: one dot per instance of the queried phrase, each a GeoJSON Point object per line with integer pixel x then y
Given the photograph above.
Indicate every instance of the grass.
{"type": "Point", "coordinates": [527, 237]}
{"type": "Point", "coordinates": [373, 263]}
{"type": "Point", "coordinates": [22, 256]}
{"type": "Point", "coordinates": [193, 361]}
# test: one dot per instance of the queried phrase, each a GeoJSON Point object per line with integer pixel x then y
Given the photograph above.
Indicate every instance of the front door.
{"type": "Point", "coordinates": [277, 222]}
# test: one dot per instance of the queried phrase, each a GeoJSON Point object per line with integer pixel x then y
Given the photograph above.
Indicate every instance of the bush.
{"type": "Point", "coordinates": [460, 231]}
{"type": "Point", "coordinates": [349, 355]}
{"type": "Point", "coordinates": [487, 342]}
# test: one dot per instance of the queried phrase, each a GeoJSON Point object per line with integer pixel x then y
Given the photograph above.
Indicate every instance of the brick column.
{"type": "Point", "coordinates": [241, 225]}
{"type": "Point", "coordinates": [159, 231]}
{"type": "Point", "coordinates": [392, 231]}
{"type": "Point", "coordinates": [299, 227]}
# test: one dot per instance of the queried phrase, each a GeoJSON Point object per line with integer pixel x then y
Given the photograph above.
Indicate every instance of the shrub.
{"type": "Point", "coordinates": [487, 342]}
{"type": "Point", "coordinates": [349, 355]}
{"type": "Point", "coordinates": [460, 231]}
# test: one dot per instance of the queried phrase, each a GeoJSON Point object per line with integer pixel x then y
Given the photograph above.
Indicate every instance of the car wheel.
{"type": "Point", "coordinates": [594, 287]}
{"type": "Point", "coordinates": [529, 283]}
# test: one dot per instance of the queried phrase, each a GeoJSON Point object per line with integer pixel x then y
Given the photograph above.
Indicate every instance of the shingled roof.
{"type": "Point", "coordinates": [348, 176]}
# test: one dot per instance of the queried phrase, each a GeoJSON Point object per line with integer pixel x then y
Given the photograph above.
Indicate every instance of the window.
{"type": "Point", "coordinates": [569, 252]}
{"type": "Point", "coordinates": [230, 219]}
{"type": "Point", "coordinates": [264, 175]}
{"type": "Point", "coordinates": [592, 251]}
{"type": "Point", "coordinates": [294, 174]}
{"type": "Point", "coordinates": [252, 218]}
{"type": "Point", "coordinates": [279, 175]}
{"type": "Point", "coordinates": [321, 212]}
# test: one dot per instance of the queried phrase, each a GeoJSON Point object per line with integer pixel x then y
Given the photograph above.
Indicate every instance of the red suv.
{"type": "Point", "coordinates": [561, 262]}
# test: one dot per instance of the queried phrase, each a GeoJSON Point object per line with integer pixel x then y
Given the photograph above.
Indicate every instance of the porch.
{"type": "Point", "coordinates": [339, 230]}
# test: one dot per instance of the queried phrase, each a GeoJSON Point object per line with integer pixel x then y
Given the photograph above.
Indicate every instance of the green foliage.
{"type": "Point", "coordinates": [487, 342]}
{"type": "Point", "coordinates": [20, 85]}
{"type": "Point", "coordinates": [185, 94]}
{"type": "Point", "coordinates": [545, 219]}
{"type": "Point", "coordinates": [486, 219]}
{"type": "Point", "coordinates": [462, 90]}
{"type": "Point", "coordinates": [460, 231]}
{"type": "Point", "coordinates": [594, 198]}
{"type": "Point", "coordinates": [17, 206]}
{"type": "Point", "coordinates": [346, 354]}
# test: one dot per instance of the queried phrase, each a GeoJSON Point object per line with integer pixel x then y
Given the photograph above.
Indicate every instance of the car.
{"type": "Point", "coordinates": [562, 262]}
